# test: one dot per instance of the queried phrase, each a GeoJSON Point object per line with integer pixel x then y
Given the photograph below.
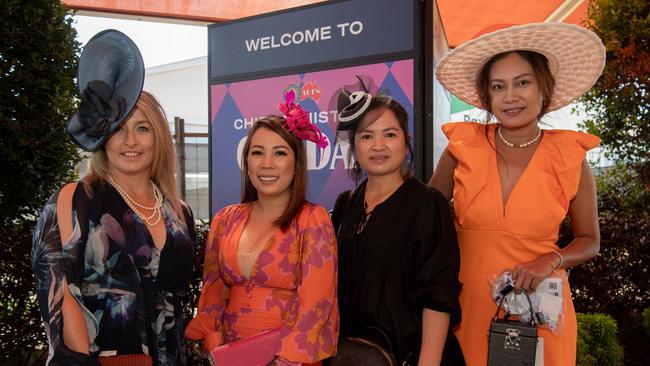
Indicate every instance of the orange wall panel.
{"type": "Point", "coordinates": [579, 16]}
{"type": "Point", "coordinates": [464, 19]}
{"type": "Point", "coordinates": [198, 10]}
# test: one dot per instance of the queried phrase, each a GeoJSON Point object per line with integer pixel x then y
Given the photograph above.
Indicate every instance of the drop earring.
{"type": "Point", "coordinates": [357, 167]}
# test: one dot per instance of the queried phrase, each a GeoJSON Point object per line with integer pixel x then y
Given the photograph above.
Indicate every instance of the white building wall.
{"type": "Point", "coordinates": [182, 90]}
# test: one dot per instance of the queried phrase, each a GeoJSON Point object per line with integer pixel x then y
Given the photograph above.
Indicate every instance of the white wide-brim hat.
{"type": "Point", "coordinates": [576, 58]}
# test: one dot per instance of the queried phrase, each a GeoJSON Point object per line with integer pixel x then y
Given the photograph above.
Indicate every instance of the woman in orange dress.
{"type": "Point", "coordinates": [513, 183]}
{"type": "Point", "coordinates": [271, 260]}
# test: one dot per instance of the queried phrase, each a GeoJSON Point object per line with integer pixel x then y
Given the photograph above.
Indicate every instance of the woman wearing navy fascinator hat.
{"type": "Point", "coordinates": [398, 256]}
{"type": "Point", "coordinates": [113, 253]}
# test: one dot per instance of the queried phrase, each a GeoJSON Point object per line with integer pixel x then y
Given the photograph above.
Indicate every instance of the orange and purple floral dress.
{"type": "Point", "coordinates": [292, 286]}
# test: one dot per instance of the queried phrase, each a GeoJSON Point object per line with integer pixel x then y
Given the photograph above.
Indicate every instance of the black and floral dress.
{"type": "Point", "coordinates": [130, 292]}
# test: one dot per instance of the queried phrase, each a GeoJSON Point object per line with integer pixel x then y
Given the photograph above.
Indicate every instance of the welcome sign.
{"type": "Point", "coordinates": [334, 32]}
{"type": "Point", "coordinates": [313, 50]}
{"type": "Point", "coordinates": [323, 33]}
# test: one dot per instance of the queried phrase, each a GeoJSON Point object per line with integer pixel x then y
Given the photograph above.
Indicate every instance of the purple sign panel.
{"type": "Point", "coordinates": [234, 107]}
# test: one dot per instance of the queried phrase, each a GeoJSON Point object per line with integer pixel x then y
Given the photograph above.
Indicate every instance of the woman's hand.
{"type": "Point", "coordinates": [528, 275]}
{"type": "Point", "coordinates": [211, 341]}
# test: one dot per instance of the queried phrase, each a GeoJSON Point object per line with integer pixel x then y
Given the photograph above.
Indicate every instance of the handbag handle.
{"type": "Point", "coordinates": [530, 304]}
{"type": "Point", "coordinates": [382, 334]}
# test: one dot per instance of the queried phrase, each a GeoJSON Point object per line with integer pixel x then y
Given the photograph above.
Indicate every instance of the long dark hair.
{"type": "Point", "coordinates": [298, 186]}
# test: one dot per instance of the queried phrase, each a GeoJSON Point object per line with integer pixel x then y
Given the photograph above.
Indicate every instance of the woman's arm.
{"type": "Point", "coordinates": [436, 261]}
{"type": "Point", "coordinates": [62, 314]}
{"type": "Point", "coordinates": [313, 324]}
{"type": "Point", "coordinates": [583, 211]}
{"type": "Point", "coordinates": [443, 176]}
{"type": "Point", "coordinates": [435, 325]}
{"type": "Point", "coordinates": [75, 333]}
{"type": "Point", "coordinates": [207, 324]}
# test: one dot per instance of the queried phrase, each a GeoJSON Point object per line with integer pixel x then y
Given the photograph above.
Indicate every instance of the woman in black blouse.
{"type": "Point", "coordinates": [398, 255]}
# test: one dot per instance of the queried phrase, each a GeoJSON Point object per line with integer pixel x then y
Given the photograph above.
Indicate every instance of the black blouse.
{"type": "Point", "coordinates": [405, 259]}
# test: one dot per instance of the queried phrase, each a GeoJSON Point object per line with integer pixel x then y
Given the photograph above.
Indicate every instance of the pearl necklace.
{"type": "Point", "coordinates": [133, 204]}
{"type": "Point", "coordinates": [527, 143]}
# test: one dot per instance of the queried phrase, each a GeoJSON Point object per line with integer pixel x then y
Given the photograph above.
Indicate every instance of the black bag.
{"type": "Point", "coordinates": [512, 342]}
{"type": "Point", "coordinates": [369, 348]}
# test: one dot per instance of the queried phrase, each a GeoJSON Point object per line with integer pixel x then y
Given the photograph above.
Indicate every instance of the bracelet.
{"type": "Point", "coordinates": [549, 262]}
{"type": "Point", "coordinates": [561, 260]}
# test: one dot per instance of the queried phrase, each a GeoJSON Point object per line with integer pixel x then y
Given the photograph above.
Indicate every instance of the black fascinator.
{"type": "Point", "coordinates": [355, 101]}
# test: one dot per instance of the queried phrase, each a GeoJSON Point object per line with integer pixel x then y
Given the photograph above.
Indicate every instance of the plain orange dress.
{"type": "Point", "coordinates": [494, 237]}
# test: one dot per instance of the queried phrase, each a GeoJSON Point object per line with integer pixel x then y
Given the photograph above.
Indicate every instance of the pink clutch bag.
{"type": "Point", "coordinates": [257, 350]}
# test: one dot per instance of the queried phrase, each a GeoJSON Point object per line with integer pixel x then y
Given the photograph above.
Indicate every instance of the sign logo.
{"type": "Point", "coordinates": [310, 89]}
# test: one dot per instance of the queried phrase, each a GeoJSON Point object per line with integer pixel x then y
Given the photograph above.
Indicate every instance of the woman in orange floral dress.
{"type": "Point", "coordinates": [271, 260]}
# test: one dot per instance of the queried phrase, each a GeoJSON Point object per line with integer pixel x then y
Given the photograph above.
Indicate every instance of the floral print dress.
{"type": "Point", "coordinates": [129, 292]}
{"type": "Point", "coordinates": [292, 286]}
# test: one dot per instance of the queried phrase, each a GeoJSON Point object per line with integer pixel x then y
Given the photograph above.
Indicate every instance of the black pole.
{"type": "Point", "coordinates": [179, 141]}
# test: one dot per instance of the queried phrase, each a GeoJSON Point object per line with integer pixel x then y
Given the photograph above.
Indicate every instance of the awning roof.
{"type": "Point", "coordinates": [461, 19]}
{"type": "Point", "coordinates": [201, 11]}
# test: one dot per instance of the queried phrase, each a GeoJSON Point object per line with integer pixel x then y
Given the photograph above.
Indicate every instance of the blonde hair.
{"type": "Point", "coordinates": [163, 166]}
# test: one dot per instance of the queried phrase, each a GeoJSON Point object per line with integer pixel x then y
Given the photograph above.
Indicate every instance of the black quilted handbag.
{"type": "Point", "coordinates": [512, 343]}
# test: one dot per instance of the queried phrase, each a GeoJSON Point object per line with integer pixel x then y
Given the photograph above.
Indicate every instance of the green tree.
{"type": "Point", "coordinates": [618, 110]}
{"type": "Point", "coordinates": [618, 106]}
{"type": "Point", "coordinates": [597, 341]}
{"type": "Point", "coordinates": [616, 281]}
{"type": "Point", "coordinates": [38, 58]}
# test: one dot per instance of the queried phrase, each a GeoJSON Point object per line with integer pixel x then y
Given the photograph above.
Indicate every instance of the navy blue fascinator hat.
{"type": "Point", "coordinates": [109, 79]}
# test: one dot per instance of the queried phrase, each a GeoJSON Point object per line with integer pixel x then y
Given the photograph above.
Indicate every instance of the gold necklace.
{"type": "Point", "coordinates": [380, 200]}
{"type": "Point", "coordinates": [133, 204]}
{"type": "Point", "coordinates": [527, 143]}
{"type": "Point", "coordinates": [366, 214]}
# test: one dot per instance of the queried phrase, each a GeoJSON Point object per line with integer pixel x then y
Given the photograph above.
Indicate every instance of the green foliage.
{"type": "Point", "coordinates": [38, 56]}
{"type": "Point", "coordinates": [646, 321]}
{"type": "Point", "coordinates": [616, 281]}
{"type": "Point", "coordinates": [195, 353]}
{"type": "Point", "coordinates": [618, 105]}
{"type": "Point", "coordinates": [37, 69]}
{"type": "Point", "coordinates": [618, 110]}
{"type": "Point", "coordinates": [22, 336]}
{"type": "Point", "coordinates": [597, 342]}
